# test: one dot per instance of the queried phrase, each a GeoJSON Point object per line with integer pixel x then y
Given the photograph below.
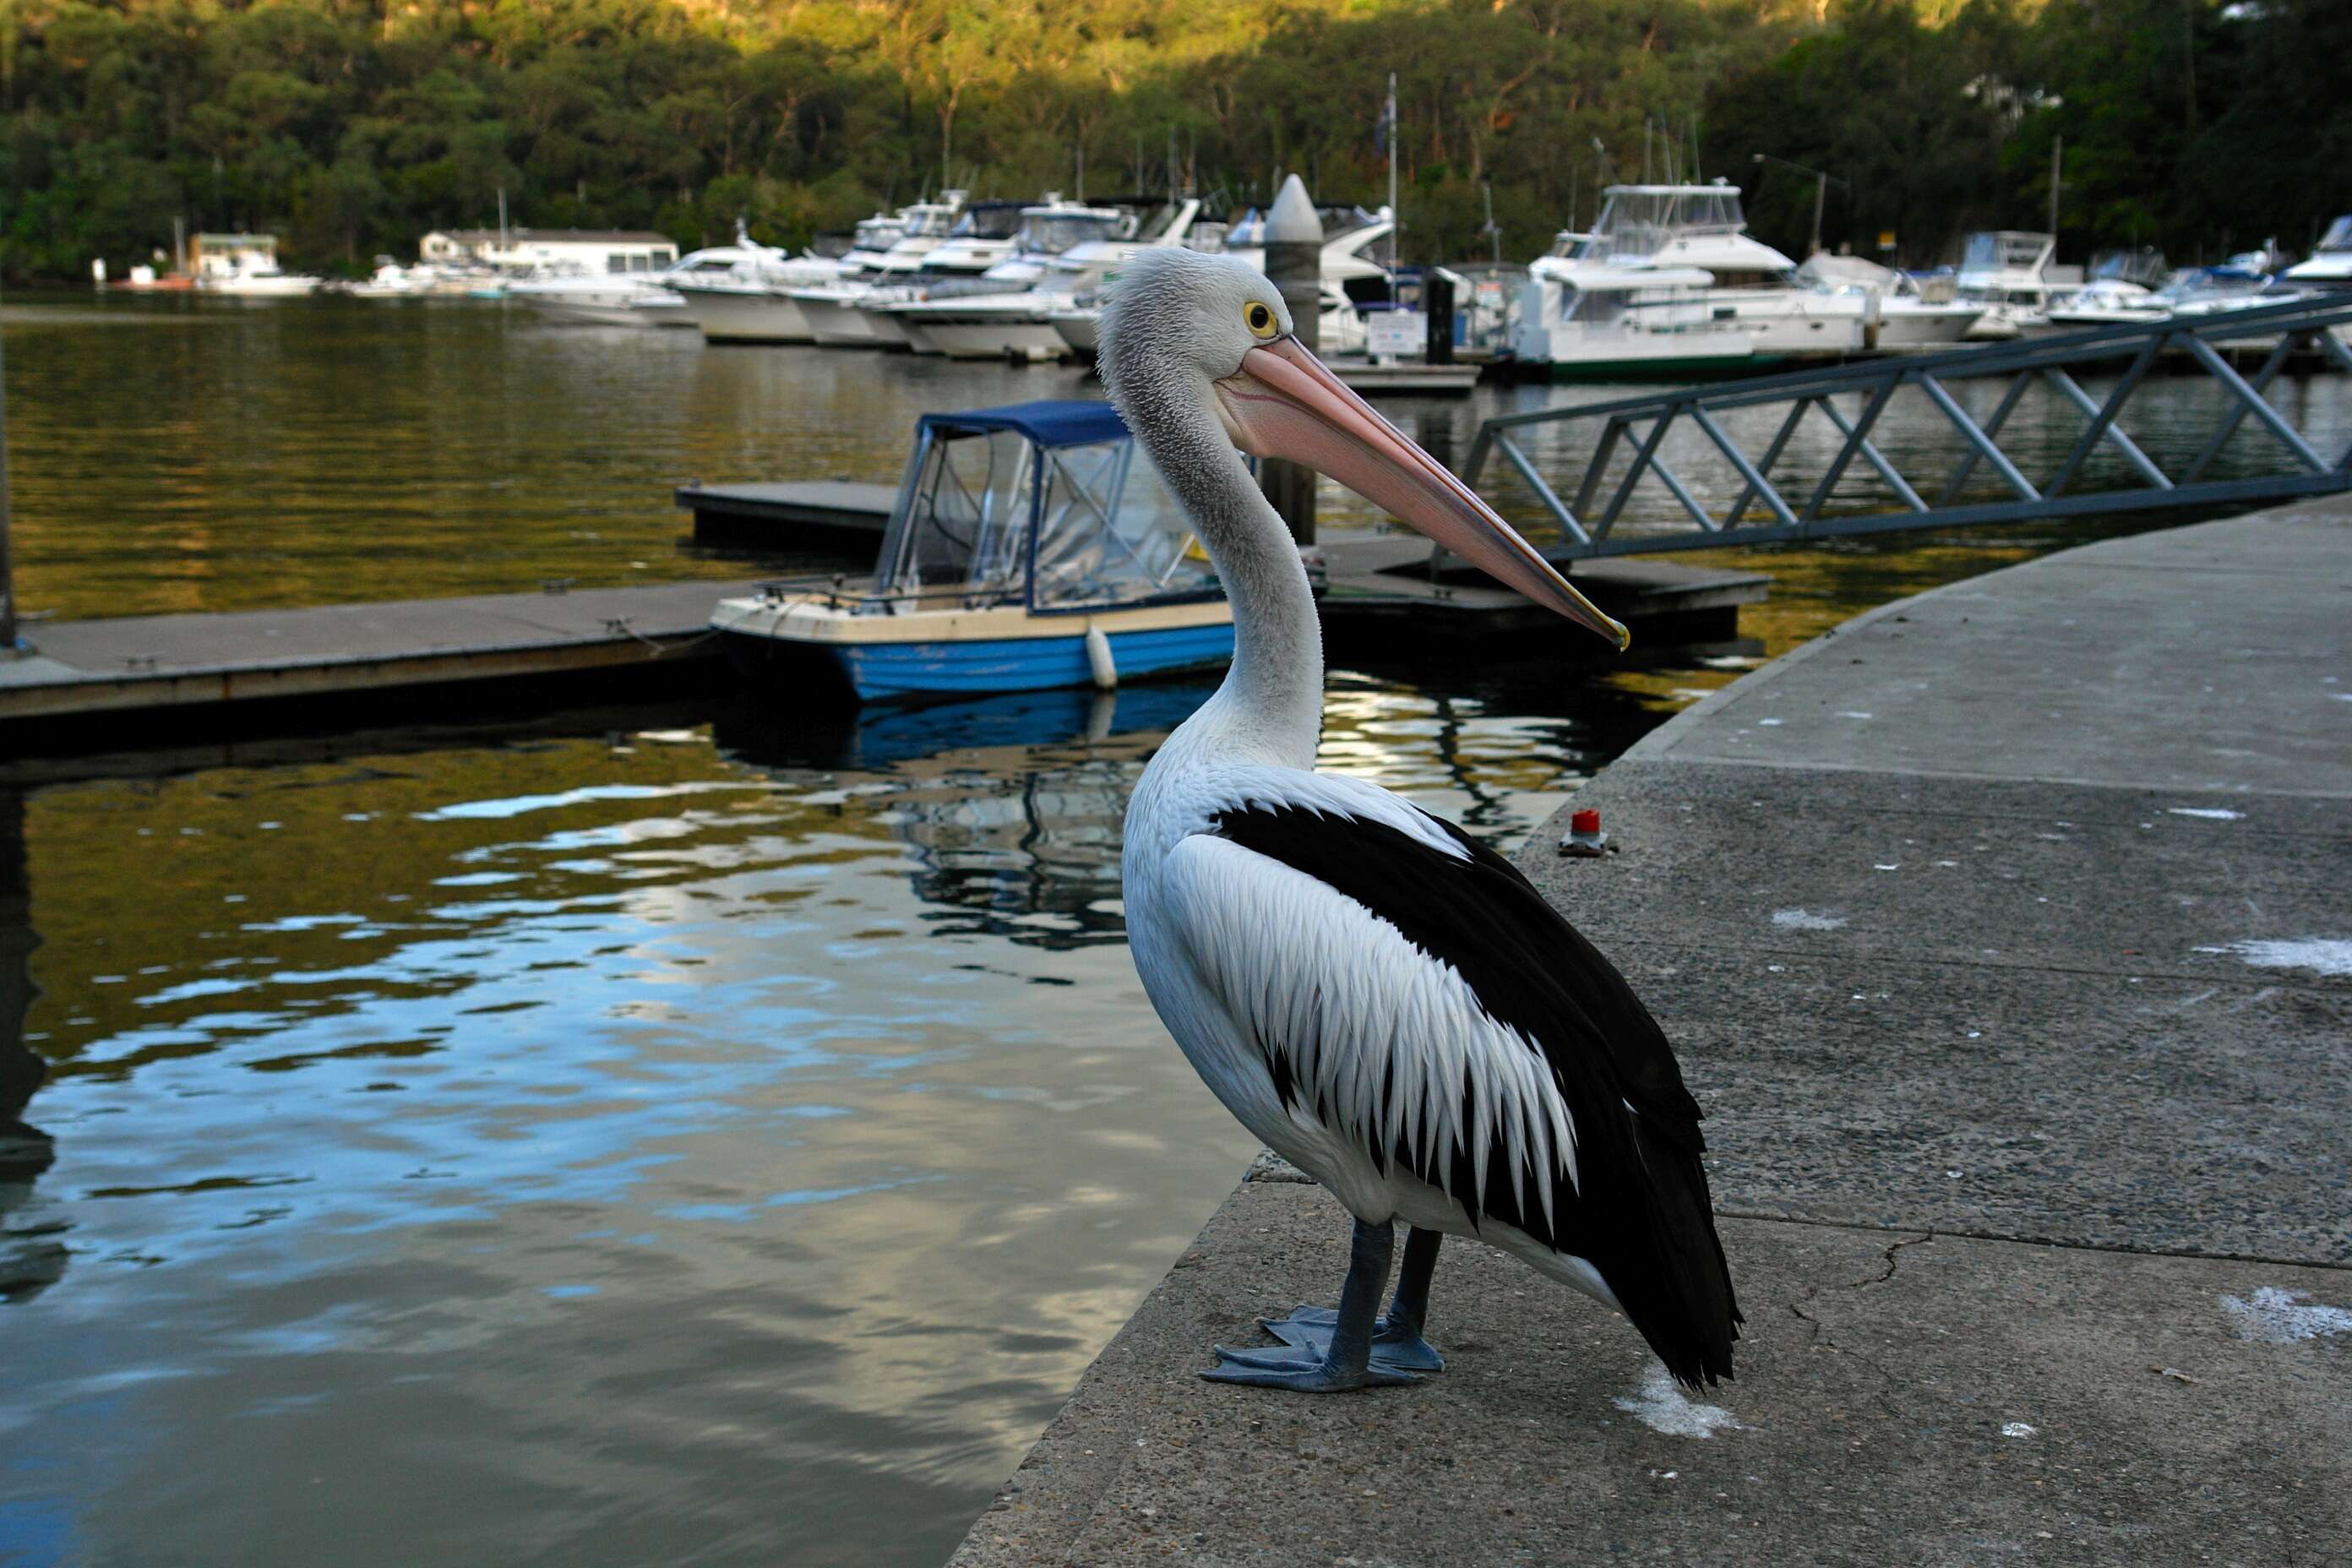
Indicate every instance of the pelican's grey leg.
{"type": "Point", "coordinates": [1397, 1344]}
{"type": "Point", "coordinates": [1348, 1361]}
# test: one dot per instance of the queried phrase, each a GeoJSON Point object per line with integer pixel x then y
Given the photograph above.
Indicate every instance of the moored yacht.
{"type": "Point", "coordinates": [747, 298]}
{"type": "Point", "coordinates": [2122, 290]}
{"type": "Point", "coordinates": [2330, 265]}
{"type": "Point", "coordinates": [831, 308]}
{"type": "Point", "coordinates": [1909, 315]}
{"type": "Point", "coordinates": [1750, 286]}
{"type": "Point", "coordinates": [987, 235]}
{"type": "Point", "coordinates": [2014, 274]}
{"type": "Point", "coordinates": [1349, 234]}
{"type": "Point", "coordinates": [1065, 249]}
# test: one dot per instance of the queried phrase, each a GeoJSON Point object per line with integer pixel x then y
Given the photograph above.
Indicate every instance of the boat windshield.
{"type": "Point", "coordinates": [928, 222]}
{"type": "Point", "coordinates": [2338, 236]}
{"type": "Point", "coordinates": [1051, 233]}
{"type": "Point", "coordinates": [994, 517]}
{"type": "Point", "coordinates": [2006, 250]}
{"type": "Point", "coordinates": [1638, 220]}
{"type": "Point", "coordinates": [988, 220]}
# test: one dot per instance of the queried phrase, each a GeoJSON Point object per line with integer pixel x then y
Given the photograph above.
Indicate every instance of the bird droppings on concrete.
{"type": "Point", "coordinates": [1805, 920]}
{"type": "Point", "coordinates": [2329, 955]}
{"type": "Point", "coordinates": [1663, 1407]}
{"type": "Point", "coordinates": [2279, 1317]}
{"type": "Point", "coordinates": [2209, 813]}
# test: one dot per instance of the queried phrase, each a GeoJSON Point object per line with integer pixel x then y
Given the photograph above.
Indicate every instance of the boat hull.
{"type": "Point", "coordinates": [1005, 337]}
{"type": "Point", "coordinates": [836, 321]}
{"type": "Point", "coordinates": [938, 654]}
{"type": "Point", "coordinates": [747, 316]}
{"type": "Point", "coordinates": [881, 670]}
{"type": "Point", "coordinates": [588, 313]}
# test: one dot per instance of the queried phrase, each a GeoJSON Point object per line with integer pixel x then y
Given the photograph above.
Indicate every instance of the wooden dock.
{"type": "Point", "coordinates": [1404, 378]}
{"type": "Point", "coordinates": [1380, 588]}
{"type": "Point", "coordinates": [821, 514]}
{"type": "Point", "coordinates": [95, 672]}
{"type": "Point", "coordinates": [138, 680]}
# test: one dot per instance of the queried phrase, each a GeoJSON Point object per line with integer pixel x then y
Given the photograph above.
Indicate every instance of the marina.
{"type": "Point", "coordinates": [790, 786]}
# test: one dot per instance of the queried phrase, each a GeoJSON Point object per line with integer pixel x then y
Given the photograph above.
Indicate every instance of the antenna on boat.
{"type": "Point", "coordinates": [8, 646]}
{"type": "Point", "coordinates": [1396, 218]}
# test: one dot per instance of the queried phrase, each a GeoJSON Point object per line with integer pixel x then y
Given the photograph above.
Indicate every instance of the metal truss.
{"type": "Point", "coordinates": [1779, 495]}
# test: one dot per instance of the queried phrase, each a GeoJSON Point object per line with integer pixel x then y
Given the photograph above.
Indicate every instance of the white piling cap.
{"type": "Point", "coordinates": [1293, 220]}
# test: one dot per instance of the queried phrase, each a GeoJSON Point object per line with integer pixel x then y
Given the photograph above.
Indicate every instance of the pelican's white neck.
{"type": "Point", "coordinates": [1271, 704]}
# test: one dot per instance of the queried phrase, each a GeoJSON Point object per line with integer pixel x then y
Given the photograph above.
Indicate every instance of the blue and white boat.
{"type": "Point", "coordinates": [1029, 549]}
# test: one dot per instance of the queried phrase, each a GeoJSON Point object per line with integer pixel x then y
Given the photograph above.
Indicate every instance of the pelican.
{"type": "Point", "coordinates": [1380, 999]}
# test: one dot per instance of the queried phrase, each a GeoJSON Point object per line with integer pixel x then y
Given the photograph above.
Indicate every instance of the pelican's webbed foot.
{"type": "Point", "coordinates": [1336, 1350]}
{"type": "Point", "coordinates": [1301, 1371]}
{"type": "Point", "coordinates": [1396, 1347]}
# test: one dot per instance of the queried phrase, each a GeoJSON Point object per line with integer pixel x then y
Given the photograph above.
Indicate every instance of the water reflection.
{"type": "Point", "coordinates": [740, 1131]}
{"type": "Point", "coordinates": [30, 1260]}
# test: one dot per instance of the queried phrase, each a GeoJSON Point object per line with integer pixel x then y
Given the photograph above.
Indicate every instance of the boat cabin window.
{"type": "Point", "coordinates": [1638, 220]}
{"type": "Point", "coordinates": [2003, 251]}
{"type": "Point", "coordinates": [988, 222]}
{"type": "Point", "coordinates": [1052, 234]}
{"type": "Point", "coordinates": [994, 517]}
{"type": "Point", "coordinates": [964, 523]}
{"type": "Point", "coordinates": [1109, 530]}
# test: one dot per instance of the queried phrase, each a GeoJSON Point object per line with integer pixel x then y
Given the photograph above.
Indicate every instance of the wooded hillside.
{"type": "Point", "coordinates": [352, 128]}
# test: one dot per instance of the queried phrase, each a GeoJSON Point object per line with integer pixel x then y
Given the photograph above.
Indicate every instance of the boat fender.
{"type": "Point", "coordinates": [1099, 660]}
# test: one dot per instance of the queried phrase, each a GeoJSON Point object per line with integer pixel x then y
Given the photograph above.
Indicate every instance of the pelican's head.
{"type": "Point", "coordinates": [1188, 333]}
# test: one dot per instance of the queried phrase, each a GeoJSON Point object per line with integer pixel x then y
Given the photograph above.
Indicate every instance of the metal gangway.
{"type": "Point", "coordinates": [1804, 456]}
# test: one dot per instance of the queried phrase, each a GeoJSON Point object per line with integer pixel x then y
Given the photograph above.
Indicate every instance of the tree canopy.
{"type": "Point", "coordinates": [352, 127]}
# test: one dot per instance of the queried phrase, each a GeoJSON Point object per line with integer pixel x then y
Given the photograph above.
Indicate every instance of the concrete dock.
{"type": "Point", "coordinates": [2004, 935]}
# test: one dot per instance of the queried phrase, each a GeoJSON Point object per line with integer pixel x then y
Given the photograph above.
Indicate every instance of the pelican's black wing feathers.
{"type": "Point", "coordinates": [1638, 1210]}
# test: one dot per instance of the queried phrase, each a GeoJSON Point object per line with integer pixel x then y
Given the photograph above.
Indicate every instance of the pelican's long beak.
{"type": "Point", "coordinates": [1285, 402]}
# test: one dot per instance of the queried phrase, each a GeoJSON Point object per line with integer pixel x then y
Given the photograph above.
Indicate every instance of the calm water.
{"type": "Point", "coordinates": [691, 1133]}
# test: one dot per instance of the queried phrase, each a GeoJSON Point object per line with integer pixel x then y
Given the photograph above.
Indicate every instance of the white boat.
{"type": "Point", "coordinates": [1063, 248]}
{"type": "Point", "coordinates": [2014, 275]}
{"type": "Point", "coordinates": [1350, 233]}
{"type": "Point", "coordinates": [257, 281]}
{"type": "Point", "coordinates": [987, 237]}
{"type": "Point", "coordinates": [391, 280]}
{"type": "Point", "coordinates": [1028, 550]}
{"type": "Point", "coordinates": [594, 299]}
{"type": "Point", "coordinates": [2328, 266]}
{"type": "Point", "coordinates": [1908, 317]}
{"type": "Point", "coordinates": [2122, 291]}
{"type": "Point", "coordinates": [831, 308]}
{"type": "Point", "coordinates": [1751, 284]}
{"type": "Point", "coordinates": [1612, 323]}
{"type": "Point", "coordinates": [742, 293]}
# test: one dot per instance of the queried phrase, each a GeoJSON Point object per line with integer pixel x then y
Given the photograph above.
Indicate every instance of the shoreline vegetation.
{"type": "Point", "coordinates": [352, 128]}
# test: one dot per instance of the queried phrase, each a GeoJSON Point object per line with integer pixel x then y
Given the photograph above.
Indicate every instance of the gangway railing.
{"type": "Point", "coordinates": [1824, 469]}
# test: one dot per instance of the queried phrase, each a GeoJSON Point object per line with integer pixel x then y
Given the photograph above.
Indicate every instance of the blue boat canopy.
{"type": "Point", "coordinates": [1041, 503]}
{"type": "Point", "coordinates": [1057, 423]}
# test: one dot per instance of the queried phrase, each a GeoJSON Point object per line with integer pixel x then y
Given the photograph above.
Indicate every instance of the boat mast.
{"type": "Point", "coordinates": [1396, 219]}
{"type": "Point", "coordinates": [8, 648]}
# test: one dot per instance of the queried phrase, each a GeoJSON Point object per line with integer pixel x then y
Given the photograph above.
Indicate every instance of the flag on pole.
{"type": "Point", "coordinates": [1387, 126]}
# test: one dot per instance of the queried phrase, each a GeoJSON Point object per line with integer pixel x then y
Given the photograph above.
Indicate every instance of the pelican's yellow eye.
{"type": "Point", "coordinates": [1260, 319]}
